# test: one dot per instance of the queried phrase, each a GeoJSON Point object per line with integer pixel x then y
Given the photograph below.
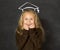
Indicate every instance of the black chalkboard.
{"type": "Point", "coordinates": [49, 16]}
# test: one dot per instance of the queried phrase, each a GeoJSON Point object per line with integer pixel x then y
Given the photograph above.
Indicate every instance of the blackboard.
{"type": "Point", "coordinates": [49, 16]}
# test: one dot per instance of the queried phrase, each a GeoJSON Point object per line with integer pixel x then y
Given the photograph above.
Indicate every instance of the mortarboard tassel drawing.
{"type": "Point", "coordinates": [28, 5]}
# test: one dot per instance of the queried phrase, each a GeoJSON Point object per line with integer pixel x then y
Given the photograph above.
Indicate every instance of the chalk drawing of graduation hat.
{"type": "Point", "coordinates": [28, 5]}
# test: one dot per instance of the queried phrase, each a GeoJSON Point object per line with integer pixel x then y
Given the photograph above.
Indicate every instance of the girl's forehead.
{"type": "Point", "coordinates": [29, 13]}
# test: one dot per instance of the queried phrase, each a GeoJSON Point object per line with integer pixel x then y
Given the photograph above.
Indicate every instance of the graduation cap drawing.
{"type": "Point", "coordinates": [28, 5]}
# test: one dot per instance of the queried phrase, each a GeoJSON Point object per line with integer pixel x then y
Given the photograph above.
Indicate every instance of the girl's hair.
{"type": "Point", "coordinates": [37, 22]}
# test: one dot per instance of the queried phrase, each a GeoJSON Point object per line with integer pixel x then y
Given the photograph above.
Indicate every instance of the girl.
{"type": "Point", "coordinates": [29, 32]}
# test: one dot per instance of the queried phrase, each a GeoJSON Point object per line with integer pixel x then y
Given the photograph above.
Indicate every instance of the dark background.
{"type": "Point", "coordinates": [50, 19]}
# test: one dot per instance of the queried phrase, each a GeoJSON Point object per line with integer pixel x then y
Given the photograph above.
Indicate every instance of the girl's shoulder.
{"type": "Point", "coordinates": [35, 30]}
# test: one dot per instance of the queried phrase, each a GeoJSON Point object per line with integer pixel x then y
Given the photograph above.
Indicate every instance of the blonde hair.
{"type": "Point", "coordinates": [37, 21]}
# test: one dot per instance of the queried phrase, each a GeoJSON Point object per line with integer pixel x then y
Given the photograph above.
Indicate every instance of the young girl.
{"type": "Point", "coordinates": [29, 32]}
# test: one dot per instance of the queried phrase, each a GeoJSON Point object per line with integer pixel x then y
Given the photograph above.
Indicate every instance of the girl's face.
{"type": "Point", "coordinates": [28, 18]}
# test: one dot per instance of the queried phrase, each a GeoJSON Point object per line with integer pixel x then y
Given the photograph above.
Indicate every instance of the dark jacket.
{"type": "Point", "coordinates": [30, 40]}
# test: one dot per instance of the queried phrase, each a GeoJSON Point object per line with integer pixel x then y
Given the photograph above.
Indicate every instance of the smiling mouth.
{"type": "Point", "coordinates": [28, 24]}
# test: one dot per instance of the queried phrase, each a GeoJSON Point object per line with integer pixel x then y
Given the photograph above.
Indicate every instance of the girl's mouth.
{"type": "Point", "coordinates": [28, 24]}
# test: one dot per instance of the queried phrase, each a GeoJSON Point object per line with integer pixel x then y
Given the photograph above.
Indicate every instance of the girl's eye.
{"type": "Point", "coordinates": [26, 19]}
{"type": "Point", "coordinates": [31, 19]}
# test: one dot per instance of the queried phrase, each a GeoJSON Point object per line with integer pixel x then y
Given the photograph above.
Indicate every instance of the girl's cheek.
{"type": "Point", "coordinates": [32, 22]}
{"type": "Point", "coordinates": [25, 21]}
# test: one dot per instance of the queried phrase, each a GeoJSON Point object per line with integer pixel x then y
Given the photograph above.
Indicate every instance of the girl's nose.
{"type": "Point", "coordinates": [29, 22]}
